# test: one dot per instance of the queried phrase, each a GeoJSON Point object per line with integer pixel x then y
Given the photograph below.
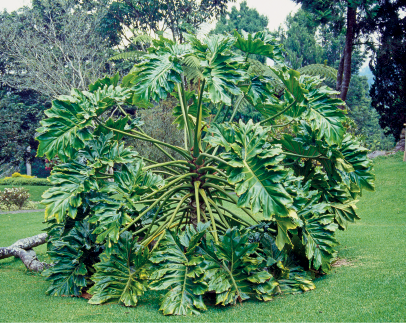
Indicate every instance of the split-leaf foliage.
{"type": "Point", "coordinates": [121, 223]}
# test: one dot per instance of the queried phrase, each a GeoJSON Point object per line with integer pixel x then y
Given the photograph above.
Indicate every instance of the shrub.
{"type": "Point", "coordinates": [17, 174]}
{"type": "Point", "coordinates": [117, 226]}
{"type": "Point", "coordinates": [17, 196]}
{"type": "Point", "coordinates": [21, 181]}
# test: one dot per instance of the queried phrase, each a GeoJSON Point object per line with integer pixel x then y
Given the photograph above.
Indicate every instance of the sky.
{"type": "Point", "coordinates": [276, 10]}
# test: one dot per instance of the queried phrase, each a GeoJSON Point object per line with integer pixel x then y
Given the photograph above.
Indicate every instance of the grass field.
{"type": "Point", "coordinates": [371, 286]}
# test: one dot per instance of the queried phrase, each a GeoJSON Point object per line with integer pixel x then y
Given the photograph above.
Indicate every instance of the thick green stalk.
{"type": "Point", "coordinates": [181, 151]}
{"type": "Point", "coordinates": [175, 189]}
{"type": "Point", "coordinates": [183, 106]}
{"type": "Point", "coordinates": [214, 157]}
{"type": "Point", "coordinates": [218, 112]}
{"type": "Point", "coordinates": [236, 107]}
{"type": "Point", "coordinates": [198, 127]}
{"type": "Point", "coordinates": [162, 172]}
{"type": "Point", "coordinates": [156, 213]}
{"type": "Point", "coordinates": [234, 216]}
{"type": "Point", "coordinates": [174, 163]}
{"type": "Point", "coordinates": [170, 184]}
{"type": "Point", "coordinates": [203, 194]}
{"type": "Point", "coordinates": [214, 169]}
{"type": "Point", "coordinates": [219, 213]}
{"type": "Point", "coordinates": [225, 115]}
{"type": "Point", "coordinates": [154, 163]}
{"type": "Point", "coordinates": [181, 220]}
{"type": "Point", "coordinates": [217, 179]}
{"type": "Point", "coordinates": [234, 200]}
{"type": "Point", "coordinates": [197, 184]}
{"type": "Point", "coordinates": [178, 207]}
{"type": "Point", "coordinates": [278, 114]}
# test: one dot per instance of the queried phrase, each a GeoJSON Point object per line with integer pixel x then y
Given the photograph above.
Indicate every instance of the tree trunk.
{"type": "Point", "coordinates": [23, 250]}
{"type": "Point", "coordinates": [340, 72]}
{"type": "Point", "coordinates": [349, 42]}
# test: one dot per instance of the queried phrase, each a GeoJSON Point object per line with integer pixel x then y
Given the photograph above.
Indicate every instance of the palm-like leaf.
{"type": "Point", "coordinates": [178, 270]}
{"type": "Point", "coordinates": [69, 181]}
{"type": "Point", "coordinates": [69, 254]}
{"type": "Point", "coordinates": [156, 77]}
{"type": "Point", "coordinates": [253, 167]}
{"type": "Point", "coordinates": [230, 270]}
{"type": "Point", "coordinates": [261, 43]}
{"type": "Point", "coordinates": [318, 233]}
{"type": "Point", "coordinates": [121, 277]}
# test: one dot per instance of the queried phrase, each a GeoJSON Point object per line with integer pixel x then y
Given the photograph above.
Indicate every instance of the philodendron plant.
{"type": "Point", "coordinates": [241, 210]}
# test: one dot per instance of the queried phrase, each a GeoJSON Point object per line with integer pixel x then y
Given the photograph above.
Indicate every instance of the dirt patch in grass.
{"type": "Point", "coordinates": [341, 262]}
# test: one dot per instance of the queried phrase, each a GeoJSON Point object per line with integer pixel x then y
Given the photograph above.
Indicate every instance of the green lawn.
{"type": "Point", "coordinates": [371, 288]}
{"type": "Point", "coordinates": [35, 191]}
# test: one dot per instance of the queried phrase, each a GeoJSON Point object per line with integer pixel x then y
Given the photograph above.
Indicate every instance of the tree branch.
{"type": "Point", "coordinates": [23, 249]}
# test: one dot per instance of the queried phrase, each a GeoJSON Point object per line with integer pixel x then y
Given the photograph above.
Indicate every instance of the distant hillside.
{"type": "Point", "coordinates": [366, 71]}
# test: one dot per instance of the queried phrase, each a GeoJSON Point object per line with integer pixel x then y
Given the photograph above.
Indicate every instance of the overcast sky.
{"type": "Point", "coordinates": [276, 10]}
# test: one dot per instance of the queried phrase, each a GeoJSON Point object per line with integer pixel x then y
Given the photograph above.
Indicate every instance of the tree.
{"type": "Point", "coordinates": [20, 113]}
{"type": "Point", "coordinates": [175, 16]}
{"type": "Point", "coordinates": [388, 67]}
{"type": "Point", "coordinates": [52, 48]}
{"type": "Point", "coordinates": [246, 19]}
{"type": "Point", "coordinates": [299, 40]}
{"type": "Point", "coordinates": [342, 15]}
{"type": "Point", "coordinates": [365, 116]}
{"type": "Point", "coordinates": [121, 223]}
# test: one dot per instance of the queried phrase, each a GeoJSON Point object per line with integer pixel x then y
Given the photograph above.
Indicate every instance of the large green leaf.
{"type": "Point", "coordinates": [318, 233]}
{"type": "Point", "coordinates": [294, 148]}
{"type": "Point", "coordinates": [156, 76]}
{"type": "Point", "coordinates": [65, 130]}
{"type": "Point", "coordinates": [69, 181]}
{"type": "Point", "coordinates": [103, 151]}
{"type": "Point", "coordinates": [362, 176]}
{"type": "Point", "coordinates": [109, 216]}
{"type": "Point", "coordinates": [121, 277]}
{"type": "Point", "coordinates": [178, 270]}
{"type": "Point", "coordinates": [230, 270]}
{"type": "Point", "coordinates": [261, 43]}
{"type": "Point", "coordinates": [253, 167]}
{"type": "Point", "coordinates": [71, 256]}
{"type": "Point", "coordinates": [220, 67]}
{"type": "Point", "coordinates": [132, 181]}
{"type": "Point", "coordinates": [324, 115]}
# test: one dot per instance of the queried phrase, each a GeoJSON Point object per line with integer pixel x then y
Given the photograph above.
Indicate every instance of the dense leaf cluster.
{"type": "Point", "coordinates": [245, 212]}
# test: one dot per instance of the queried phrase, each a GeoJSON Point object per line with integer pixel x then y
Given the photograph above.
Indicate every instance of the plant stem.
{"type": "Point", "coordinates": [278, 114]}
{"type": "Point", "coordinates": [203, 194]}
{"type": "Point", "coordinates": [197, 184]}
{"type": "Point", "coordinates": [178, 149]}
{"type": "Point", "coordinates": [183, 106]}
{"type": "Point", "coordinates": [215, 157]}
{"type": "Point", "coordinates": [215, 170]}
{"type": "Point", "coordinates": [154, 163]}
{"type": "Point", "coordinates": [170, 184]}
{"type": "Point", "coordinates": [234, 200]}
{"type": "Point", "coordinates": [218, 113]}
{"type": "Point", "coordinates": [177, 188]}
{"type": "Point", "coordinates": [219, 213]}
{"type": "Point", "coordinates": [225, 115]}
{"type": "Point", "coordinates": [236, 107]}
{"type": "Point", "coordinates": [198, 127]}
{"type": "Point", "coordinates": [175, 162]}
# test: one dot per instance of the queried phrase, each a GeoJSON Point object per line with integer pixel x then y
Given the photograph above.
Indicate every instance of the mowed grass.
{"type": "Point", "coordinates": [35, 191]}
{"type": "Point", "coordinates": [370, 287]}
